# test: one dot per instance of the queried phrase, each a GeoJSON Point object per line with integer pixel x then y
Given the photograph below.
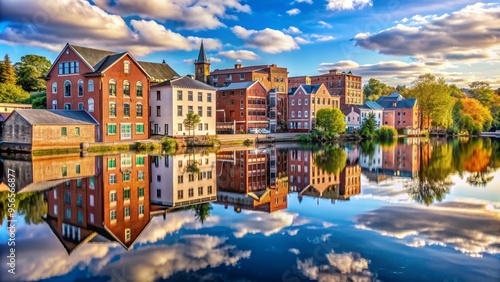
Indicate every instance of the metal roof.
{"type": "Point", "coordinates": [185, 82]}
{"type": "Point", "coordinates": [239, 85]}
{"type": "Point", "coordinates": [55, 117]}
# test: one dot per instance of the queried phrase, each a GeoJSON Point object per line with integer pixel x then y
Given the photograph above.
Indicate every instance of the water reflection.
{"type": "Point", "coordinates": [111, 212]}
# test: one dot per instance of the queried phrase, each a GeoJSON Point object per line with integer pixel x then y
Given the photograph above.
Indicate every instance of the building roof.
{"type": "Point", "coordinates": [55, 117]}
{"type": "Point", "coordinates": [158, 71]}
{"type": "Point", "coordinates": [371, 106]}
{"type": "Point", "coordinates": [91, 55]}
{"type": "Point", "coordinates": [394, 96]}
{"type": "Point", "coordinates": [202, 56]}
{"type": "Point", "coordinates": [347, 109]}
{"type": "Point", "coordinates": [15, 105]}
{"type": "Point", "coordinates": [185, 82]}
{"type": "Point", "coordinates": [403, 104]}
{"type": "Point", "coordinates": [239, 70]}
{"type": "Point", "coordinates": [240, 85]}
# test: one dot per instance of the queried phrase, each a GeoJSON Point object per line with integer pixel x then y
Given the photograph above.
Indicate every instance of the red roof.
{"type": "Point", "coordinates": [239, 70]}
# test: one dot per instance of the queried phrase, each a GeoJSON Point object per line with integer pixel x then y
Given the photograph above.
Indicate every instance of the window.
{"type": "Point", "coordinates": [112, 179]}
{"type": "Point", "coordinates": [293, 114]}
{"type": "Point", "coordinates": [200, 191]}
{"type": "Point", "coordinates": [138, 110]}
{"type": "Point", "coordinates": [190, 95]}
{"type": "Point", "coordinates": [68, 213]}
{"type": "Point", "coordinates": [54, 104]}
{"type": "Point", "coordinates": [306, 114]}
{"type": "Point", "coordinates": [112, 215]}
{"type": "Point", "coordinates": [80, 106]}
{"type": "Point", "coordinates": [139, 128]}
{"type": "Point", "coordinates": [299, 102]}
{"type": "Point", "coordinates": [299, 114]}
{"type": "Point", "coordinates": [242, 76]}
{"type": "Point", "coordinates": [293, 102]}
{"type": "Point", "coordinates": [67, 197]}
{"type": "Point", "coordinates": [200, 97]}
{"type": "Point", "coordinates": [158, 111]}
{"type": "Point", "coordinates": [200, 111]}
{"type": "Point", "coordinates": [206, 126]}
{"type": "Point", "coordinates": [138, 89]}
{"type": "Point", "coordinates": [68, 68]}
{"type": "Point", "coordinates": [179, 111]}
{"type": "Point", "coordinates": [90, 86]}
{"type": "Point", "coordinates": [91, 105]}
{"type": "Point", "coordinates": [64, 131]}
{"type": "Point", "coordinates": [191, 177]}
{"type": "Point", "coordinates": [190, 109]}
{"type": "Point", "coordinates": [140, 175]}
{"type": "Point", "coordinates": [190, 192]}
{"type": "Point", "coordinates": [67, 88]}
{"type": "Point", "coordinates": [126, 110]}
{"type": "Point", "coordinates": [126, 193]}
{"type": "Point", "coordinates": [67, 106]}
{"type": "Point", "coordinates": [179, 95]}
{"type": "Point", "coordinates": [306, 125]}
{"type": "Point", "coordinates": [111, 163]}
{"type": "Point", "coordinates": [79, 182]}
{"type": "Point", "coordinates": [79, 200]}
{"type": "Point", "coordinates": [126, 212]}
{"type": "Point", "coordinates": [112, 196]}
{"type": "Point", "coordinates": [126, 67]}
{"type": "Point", "coordinates": [80, 88]}
{"type": "Point", "coordinates": [306, 102]}
{"type": "Point", "coordinates": [179, 127]}
{"type": "Point", "coordinates": [229, 77]}
{"type": "Point", "coordinates": [112, 87]}
{"type": "Point", "coordinates": [209, 189]}
{"type": "Point", "coordinates": [54, 88]}
{"type": "Point", "coordinates": [158, 95]}
{"type": "Point", "coordinates": [77, 131]}
{"type": "Point", "coordinates": [125, 131]}
{"type": "Point", "coordinates": [180, 194]}
{"type": "Point", "coordinates": [158, 193]}
{"type": "Point", "coordinates": [200, 126]}
{"type": "Point", "coordinates": [141, 210]}
{"type": "Point", "coordinates": [112, 109]}
{"type": "Point", "coordinates": [111, 129]}
{"type": "Point", "coordinates": [141, 192]}
{"type": "Point", "coordinates": [126, 88]}
{"type": "Point", "coordinates": [209, 111]}
{"type": "Point", "coordinates": [180, 179]}
{"type": "Point", "coordinates": [139, 161]}
{"type": "Point", "coordinates": [209, 97]}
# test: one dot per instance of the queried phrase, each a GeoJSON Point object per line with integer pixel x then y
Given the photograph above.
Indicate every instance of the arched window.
{"type": "Point", "coordinates": [138, 110]}
{"type": "Point", "coordinates": [126, 110]}
{"type": "Point", "coordinates": [306, 102]}
{"type": "Point", "coordinates": [138, 88]}
{"type": "Point", "coordinates": [67, 106]}
{"type": "Point", "coordinates": [80, 88]}
{"type": "Point", "coordinates": [112, 109]}
{"type": "Point", "coordinates": [91, 105]}
{"type": "Point", "coordinates": [54, 87]}
{"type": "Point", "coordinates": [112, 87]}
{"type": "Point", "coordinates": [90, 87]}
{"type": "Point", "coordinates": [67, 88]}
{"type": "Point", "coordinates": [80, 106]}
{"type": "Point", "coordinates": [54, 104]}
{"type": "Point", "coordinates": [126, 88]}
{"type": "Point", "coordinates": [126, 67]}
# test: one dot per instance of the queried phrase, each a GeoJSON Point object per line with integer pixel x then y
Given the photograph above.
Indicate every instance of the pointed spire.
{"type": "Point", "coordinates": [202, 57]}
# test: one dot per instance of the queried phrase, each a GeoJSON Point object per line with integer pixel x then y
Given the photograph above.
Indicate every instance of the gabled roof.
{"type": "Point", "coordinates": [92, 56]}
{"type": "Point", "coordinates": [395, 96]}
{"type": "Point", "coordinates": [55, 117]}
{"type": "Point", "coordinates": [240, 85]}
{"type": "Point", "coordinates": [308, 89]}
{"type": "Point", "coordinates": [185, 82]}
{"type": "Point", "coordinates": [371, 105]}
{"type": "Point", "coordinates": [347, 109]}
{"type": "Point", "coordinates": [239, 70]}
{"type": "Point", "coordinates": [158, 72]}
{"type": "Point", "coordinates": [403, 104]}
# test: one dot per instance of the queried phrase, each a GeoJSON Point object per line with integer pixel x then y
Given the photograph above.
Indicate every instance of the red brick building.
{"type": "Point", "coordinates": [112, 87]}
{"type": "Point", "coordinates": [274, 79]}
{"type": "Point", "coordinates": [241, 104]}
{"type": "Point", "coordinates": [345, 85]}
{"type": "Point", "coordinates": [400, 113]}
{"type": "Point", "coordinates": [304, 101]}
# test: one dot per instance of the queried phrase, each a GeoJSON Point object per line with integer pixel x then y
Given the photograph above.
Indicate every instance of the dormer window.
{"type": "Point", "coordinates": [126, 67]}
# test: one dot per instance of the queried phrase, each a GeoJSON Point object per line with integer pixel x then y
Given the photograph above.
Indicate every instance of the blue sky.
{"type": "Point", "coordinates": [392, 40]}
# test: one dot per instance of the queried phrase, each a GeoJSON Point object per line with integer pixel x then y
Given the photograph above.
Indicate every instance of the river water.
{"type": "Point", "coordinates": [411, 210]}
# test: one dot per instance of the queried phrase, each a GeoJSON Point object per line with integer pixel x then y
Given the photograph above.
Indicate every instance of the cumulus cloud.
{"type": "Point", "coordinates": [81, 23]}
{"type": "Point", "coordinates": [302, 40]}
{"type": "Point", "coordinates": [322, 38]}
{"type": "Point", "coordinates": [239, 54]}
{"type": "Point", "coordinates": [325, 24]}
{"type": "Point", "coordinates": [303, 1]}
{"type": "Point", "coordinates": [340, 267]}
{"type": "Point", "coordinates": [470, 34]}
{"type": "Point", "coordinates": [292, 30]}
{"type": "Point", "coordinates": [195, 15]}
{"type": "Point", "coordinates": [339, 5]}
{"type": "Point", "coordinates": [444, 224]}
{"type": "Point", "coordinates": [293, 12]}
{"type": "Point", "coordinates": [268, 40]}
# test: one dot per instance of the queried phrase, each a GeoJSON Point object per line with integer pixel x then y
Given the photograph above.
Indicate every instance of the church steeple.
{"type": "Point", "coordinates": [202, 66]}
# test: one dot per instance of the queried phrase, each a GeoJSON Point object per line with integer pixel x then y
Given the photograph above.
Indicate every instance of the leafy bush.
{"type": "Point", "coordinates": [304, 138]}
{"type": "Point", "coordinates": [149, 146]}
{"type": "Point", "coordinates": [168, 143]}
{"type": "Point", "coordinates": [454, 130]}
{"type": "Point", "coordinates": [387, 132]}
{"type": "Point", "coordinates": [247, 142]}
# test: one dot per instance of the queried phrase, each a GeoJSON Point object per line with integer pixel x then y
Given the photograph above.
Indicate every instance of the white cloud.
{"type": "Point", "coordinates": [322, 38]}
{"type": "Point", "coordinates": [325, 24]}
{"type": "Point", "coordinates": [268, 40]}
{"type": "Point", "coordinates": [294, 251]}
{"type": "Point", "coordinates": [215, 60]}
{"type": "Point", "coordinates": [195, 15]}
{"type": "Point", "coordinates": [303, 1]}
{"type": "Point", "coordinates": [292, 30]}
{"type": "Point", "coordinates": [293, 12]}
{"type": "Point", "coordinates": [239, 55]}
{"type": "Point", "coordinates": [81, 23]}
{"type": "Point", "coordinates": [339, 5]}
{"type": "Point", "coordinates": [301, 40]}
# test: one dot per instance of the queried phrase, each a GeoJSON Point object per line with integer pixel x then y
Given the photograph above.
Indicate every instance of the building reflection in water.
{"type": "Point", "coordinates": [251, 180]}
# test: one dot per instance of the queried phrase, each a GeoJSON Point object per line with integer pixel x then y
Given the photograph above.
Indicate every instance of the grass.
{"type": "Point", "coordinates": [55, 151]}
{"type": "Point", "coordinates": [112, 148]}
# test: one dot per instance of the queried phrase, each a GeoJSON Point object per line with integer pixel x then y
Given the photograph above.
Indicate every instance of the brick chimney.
{"type": "Point", "coordinates": [237, 66]}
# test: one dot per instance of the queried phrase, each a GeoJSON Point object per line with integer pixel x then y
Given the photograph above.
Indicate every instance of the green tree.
{"type": "Point", "coordinates": [201, 211]}
{"type": "Point", "coordinates": [456, 92]}
{"type": "Point", "coordinates": [434, 99]}
{"type": "Point", "coordinates": [191, 121]}
{"type": "Point", "coordinates": [481, 91]}
{"type": "Point", "coordinates": [8, 74]}
{"type": "Point", "coordinates": [11, 93]}
{"type": "Point", "coordinates": [38, 100]}
{"type": "Point", "coordinates": [331, 120]}
{"type": "Point", "coordinates": [30, 70]}
{"type": "Point", "coordinates": [374, 89]}
{"type": "Point", "coordinates": [333, 159]}
{"type": "Point", "coordinates": [403, 90]}
{"type": "Point", "coordinates": [369, 127]}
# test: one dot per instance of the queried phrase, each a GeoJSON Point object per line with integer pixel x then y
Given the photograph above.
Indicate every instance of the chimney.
{"type": "Point", "coordinates": [237, 66]}
{"type": "Point", "coordinates": [334, 71]}
{"type": "Point", "coordinates": [163, 62]}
